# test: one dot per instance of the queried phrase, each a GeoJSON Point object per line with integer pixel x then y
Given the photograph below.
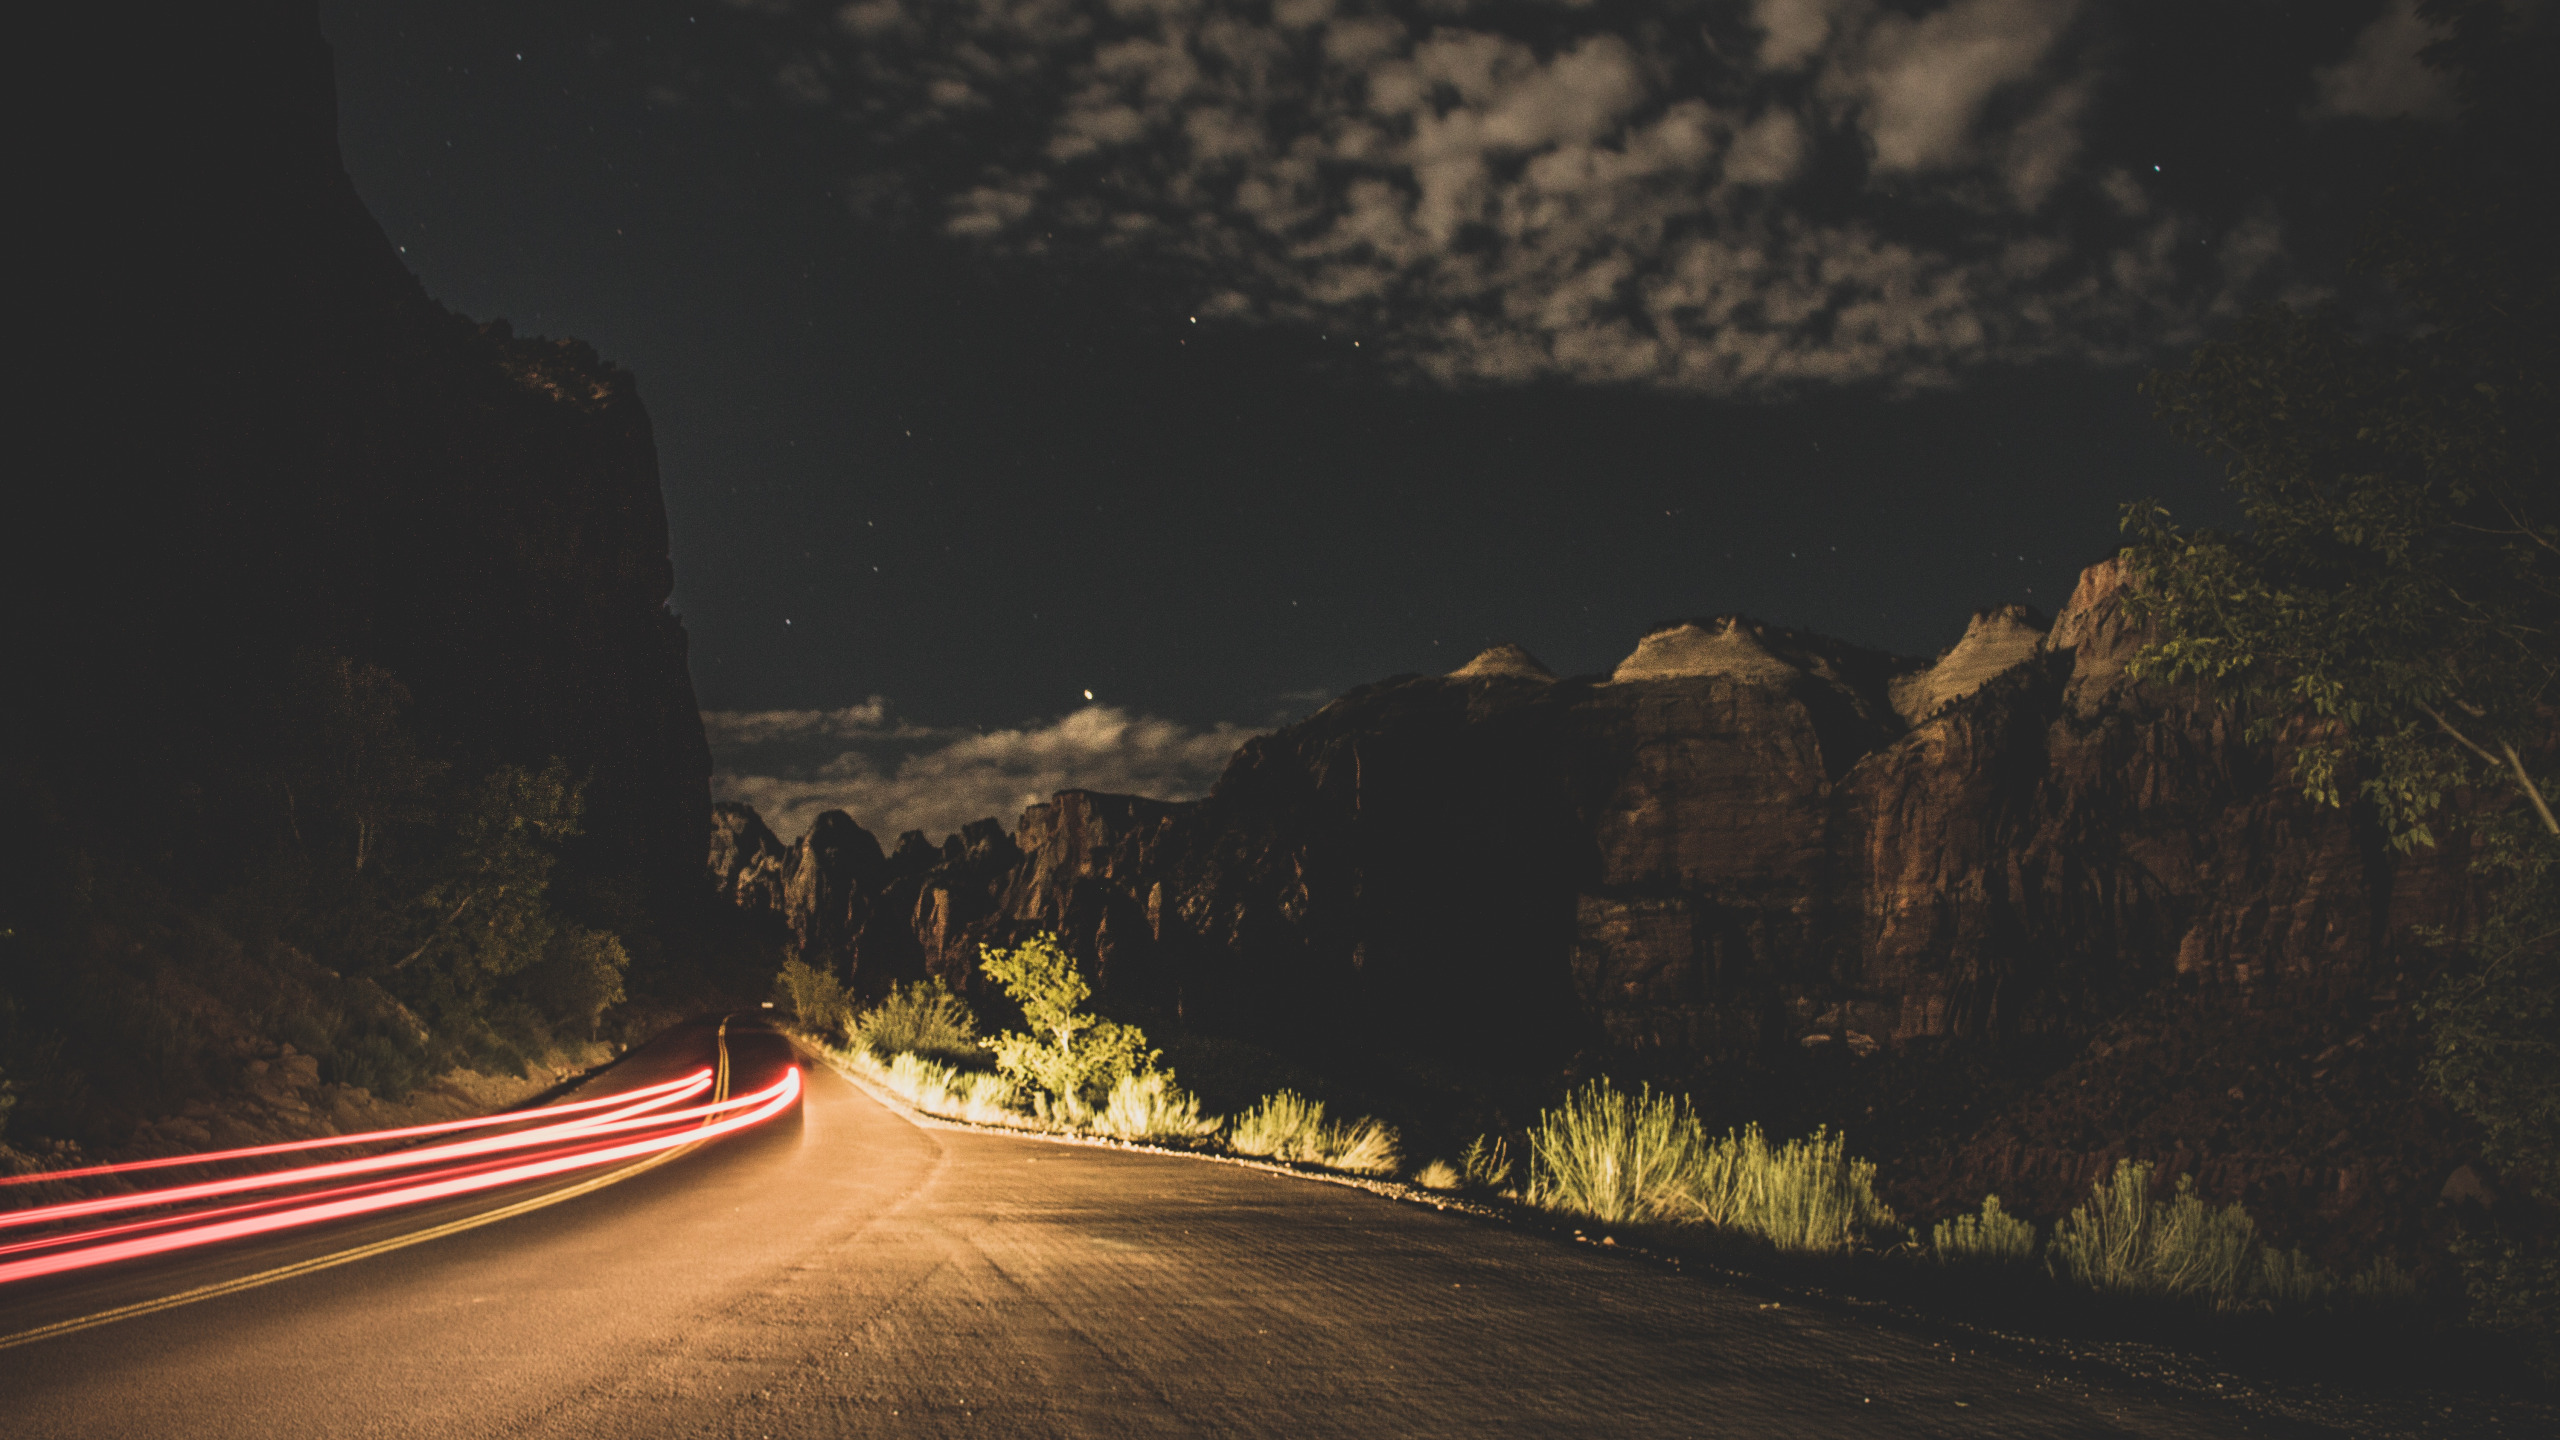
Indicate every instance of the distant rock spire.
{"type": "Point", "coordinates": [1727, 645]}
{"type": "Point", "coordinates": [1506, 658]}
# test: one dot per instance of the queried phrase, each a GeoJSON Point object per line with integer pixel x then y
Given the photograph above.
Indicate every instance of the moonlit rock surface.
{"type": "Point", "coordinates": [1998, 640]}
{"type": "Point", "coordinates": [1727, 646]}
{"type": "Point", "coordinates": [1503, 659]}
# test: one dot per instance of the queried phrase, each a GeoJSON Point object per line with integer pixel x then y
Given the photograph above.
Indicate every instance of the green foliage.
{"type": "Point", "coordinates": [1288, 1126]}
{"type": "Point", "coordinates": [1644, 1158]}
{"type": "Point", "coordinates": [816, 996]}
{"type": "Point", "coordinates": [921, 1018]}
{"type": "Point", "coordinates": [1151, 1107]}
{"type": "Point", "coordinates": [2125, 1242]}
{"type": "Point", "coordinates": [578, 978]}
{"type": "Point", "coordinates": [2393, 604]}
{"type": "Point", "coordinates": [1486, 1163]}
{"type": "Point", "coordinates": [1069, 1060]}
{"type": "Point", "coordinates": [1992, 1237]}
{"type": "Point", "coordinates": [1615, 1157]}
{"type": "Point", "coordinates": [2399, 582]}
{"type": "Point", "coordinates": [2494, 1016]}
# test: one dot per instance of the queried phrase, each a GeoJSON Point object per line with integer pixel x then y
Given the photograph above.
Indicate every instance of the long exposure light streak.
{"type": "Point", "coordinates": [367, 1137]}
{"type": "Point", "coordinates": [608, 1121]}
{"type": "Point", "coordinates": [466, 1174]}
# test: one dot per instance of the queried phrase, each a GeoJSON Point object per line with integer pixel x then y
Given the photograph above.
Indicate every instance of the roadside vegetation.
{"type": "Point", "coordinates": [1067, 1071]}
{"type": "Point", "coordinates": [1608, 1162]}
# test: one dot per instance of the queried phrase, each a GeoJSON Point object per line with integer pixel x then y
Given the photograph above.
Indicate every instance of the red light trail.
{"type": "Point", "coordinates": [369, 1137]}
{"type": "Point", "coordinates": [620, 1127]}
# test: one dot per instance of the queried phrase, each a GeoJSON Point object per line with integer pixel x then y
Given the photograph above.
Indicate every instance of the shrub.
{"type": "Point", "coordinates": [1617, 1158]}
{"type": "Point", "coordinates": [922, 1018]}
{"type": "Point", "coordinates": [1993, 1237]}
{"type": "Point", "coordinates": [815, 995]}
{"type": "Point", "coordinates": [1288, 1126]}
{"type": "Point", "coordinates": [1070, 1060]}
{"type": "Point", "coordinates": [1284, 1126]}
{"type": "Point", "coordinates": [938, 1089]}
{"type": "Point", "coordinates": [1438, 1175]}
{"type": "Point", "coordinates": [1486, 1163]}
{"type": "Point", "coordinates": [1152, 1107]}
{"type": "Point", "coordinates": [2125, 1242]}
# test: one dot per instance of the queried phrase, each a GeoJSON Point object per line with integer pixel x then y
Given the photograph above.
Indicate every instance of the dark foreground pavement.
{"type": "Point", "coordinates": [843, 1272]}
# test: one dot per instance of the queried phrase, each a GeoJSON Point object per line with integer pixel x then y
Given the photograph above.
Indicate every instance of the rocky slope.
{"type": "Point", "coordinates": [2006, 913]}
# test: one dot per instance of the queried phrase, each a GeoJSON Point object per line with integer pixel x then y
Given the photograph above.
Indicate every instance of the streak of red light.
{"type": "Point", "coordinates": [735, 1114]}
{"type": "Point", "coordinates": [608, 1122]}
{"type": "Point", "coordinates": [368, 1137]}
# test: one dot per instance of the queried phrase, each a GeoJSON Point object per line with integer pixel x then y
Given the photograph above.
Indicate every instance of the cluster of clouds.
{"type": "Point", "coordinates": [893, 776]}
{"type": "Point", "coordinates": [1731, 197]}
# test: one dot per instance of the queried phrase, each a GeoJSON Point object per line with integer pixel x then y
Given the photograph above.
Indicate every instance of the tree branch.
{"type": "Point", "coordinates": [2512, 762]}
{"type": "Point", "coordinates": [2532, 791]}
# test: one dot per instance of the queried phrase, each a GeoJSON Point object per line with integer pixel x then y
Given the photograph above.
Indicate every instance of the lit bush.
{"type": "Point", "coordinates": [1992, 1237]}
{"type": "Point", "coordinates": [814, 995]}
{"type": "Point", "coordinates": [1619, 1158]}
{"type": "Point", "coordinates": [1288, 1126]}
{"type": "Point", "coordinates": [938, 1089]}
{"type": "Point", "coordinates": [1438, 1175]}
{"type": "Point", "coordinates": [1070, 1060]}
{"type": "Point", "coordinates": [2126, 1242]}
{"type": "Point", "coordinates": [922, 1018]}
{"type": "Point", "coordinates": [1152, 1107]}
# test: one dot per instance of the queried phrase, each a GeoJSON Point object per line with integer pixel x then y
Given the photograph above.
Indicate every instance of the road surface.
{"type": "Point", "coordinates": [840, 1271]}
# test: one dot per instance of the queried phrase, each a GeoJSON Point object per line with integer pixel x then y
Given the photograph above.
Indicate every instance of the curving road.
{"type": "Point", "coordinates": [840, 1271]}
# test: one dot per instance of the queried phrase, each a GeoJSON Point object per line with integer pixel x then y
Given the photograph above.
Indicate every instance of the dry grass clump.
{"type": "Point", "coordinates": [1289, 1126]}
{"type": "Point", "coordinates": [1643, 1158]}
{"type": "Point", "coordinates": [1993, 1237]}
{"type": "Point", "coordinates": [938, 1089]}
{"type": "Point", "coordinates": [1486, 1163]}
{"type": "Point", "coordinates": [2127, 1241]}
{"type": "Point", "coordinates": [921, 1018]}
{"type": "Point", "coordinates": [1438, 1175]}
{"type": "Point", "coordinates": [1150, 1106]}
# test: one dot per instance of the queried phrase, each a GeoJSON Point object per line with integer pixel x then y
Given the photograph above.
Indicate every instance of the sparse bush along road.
{"type": "Point", "coordinates": [840, 1271]}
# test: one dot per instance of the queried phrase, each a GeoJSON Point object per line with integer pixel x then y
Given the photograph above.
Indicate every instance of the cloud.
{"type": "Point", "coordinates": [2381, 76]}
{"type": "Point", "coordinates": [1732, 198]}
{"type": "Point", "coordinates": [893, 776]}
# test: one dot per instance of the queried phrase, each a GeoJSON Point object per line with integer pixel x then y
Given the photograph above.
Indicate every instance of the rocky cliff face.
{"type": "Point", "coordinates": [1747, 849]}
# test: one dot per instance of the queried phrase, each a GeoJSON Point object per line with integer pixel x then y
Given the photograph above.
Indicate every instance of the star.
{"type": "Point", "coordinates": [1088, 694]}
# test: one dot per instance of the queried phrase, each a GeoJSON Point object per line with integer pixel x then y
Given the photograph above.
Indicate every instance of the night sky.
{"type": "Point", "coordinates": [1217, 357]}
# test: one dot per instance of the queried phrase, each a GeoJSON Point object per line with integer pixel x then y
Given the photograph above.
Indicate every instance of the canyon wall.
{"type": "Point", "coordinates": [1749, 849]}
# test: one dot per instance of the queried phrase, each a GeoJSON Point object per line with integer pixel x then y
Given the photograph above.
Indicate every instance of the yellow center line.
{"type": "Point", "coordinates": [719, 1092]}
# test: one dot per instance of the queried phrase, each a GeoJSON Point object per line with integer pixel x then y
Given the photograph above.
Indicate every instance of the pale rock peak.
{"type": "Point", "coordinates": [1725, 646]}
{"type": "Point", "coordinates": [1997, 640]}
{"type": "Point", "coordinates": [1503, 659]}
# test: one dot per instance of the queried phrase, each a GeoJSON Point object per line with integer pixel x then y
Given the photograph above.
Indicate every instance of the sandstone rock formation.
{"type": "Point", "coordinates": [1749, 843]}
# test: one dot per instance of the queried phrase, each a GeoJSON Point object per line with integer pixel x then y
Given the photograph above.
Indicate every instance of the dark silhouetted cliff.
{"type": "Point", "coordinates": [261, 442]}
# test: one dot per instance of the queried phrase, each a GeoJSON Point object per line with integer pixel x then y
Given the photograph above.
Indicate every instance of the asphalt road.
{"type": "Point", "coordinates": [840, 1271]}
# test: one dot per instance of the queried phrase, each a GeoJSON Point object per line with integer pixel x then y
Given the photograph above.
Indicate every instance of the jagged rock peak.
{"type": "Point", "coordinates": [1506, 658]}
{"type": "Point", "coordinates": [1727, 645]}
{"type": "Point", "coordinates": [1998, 640]}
